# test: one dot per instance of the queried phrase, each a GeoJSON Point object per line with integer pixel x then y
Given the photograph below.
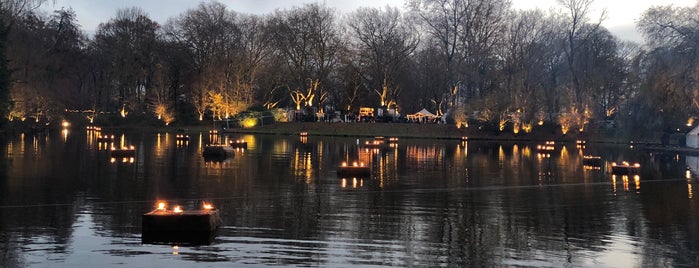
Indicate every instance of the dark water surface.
{"type": "Point", "coordinates": [64, 203]}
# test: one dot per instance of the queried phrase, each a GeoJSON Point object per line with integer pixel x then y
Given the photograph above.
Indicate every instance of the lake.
{"type": "Point", "coordinates": [427, 203]}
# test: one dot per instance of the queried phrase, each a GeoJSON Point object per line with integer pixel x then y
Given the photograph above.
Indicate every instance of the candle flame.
{"type": "Point", "coordinates": [207, 206]}
{"type": "Point", "coordinates": [177, 209]}
{"type": "Point", "coordinates": [161, 205]}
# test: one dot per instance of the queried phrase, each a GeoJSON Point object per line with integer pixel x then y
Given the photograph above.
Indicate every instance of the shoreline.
{"type": "Point", "coordinates": [427, 131]}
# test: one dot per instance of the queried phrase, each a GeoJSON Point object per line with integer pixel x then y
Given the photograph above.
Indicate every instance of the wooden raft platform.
{"type": "Point", "coordinates": [353, 170]}
{"type": "Point", "coordinates": [193, 227]}
{"type": "Point", "coordinates": [123, 152]}
{"type": "Point", "coordinates": [625, 168]}
{"type": "Point", "coordinates": [218, 150]}
{"type": "Point", "coordinates": [239, 144]}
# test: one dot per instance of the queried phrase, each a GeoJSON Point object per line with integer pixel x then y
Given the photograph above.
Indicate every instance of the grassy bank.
{"type": "Point", "coordinates": [437, 131]}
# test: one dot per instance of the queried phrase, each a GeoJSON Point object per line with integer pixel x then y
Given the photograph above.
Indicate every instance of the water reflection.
{"type": "Point", "coordinates": [426, 203]}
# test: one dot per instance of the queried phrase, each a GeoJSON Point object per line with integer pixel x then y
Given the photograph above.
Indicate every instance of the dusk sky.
{"type": "Point", "coordinates": [621, 15]}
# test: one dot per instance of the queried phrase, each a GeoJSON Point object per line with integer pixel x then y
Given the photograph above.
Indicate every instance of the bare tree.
{"type": "Point", "coordinates": [466, 34]}
{"type": "Point", "coordinates": [307, 39]}
{"type": "Point", "coordinates": [384, 40]}
{"type": "Point", "coordinates": [128, 43]}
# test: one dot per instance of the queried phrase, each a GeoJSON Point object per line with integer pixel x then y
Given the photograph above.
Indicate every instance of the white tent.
{"type": "Point", "coordinates": [424, 113]}
{"type": "Point", "coordinates": [693, 138]}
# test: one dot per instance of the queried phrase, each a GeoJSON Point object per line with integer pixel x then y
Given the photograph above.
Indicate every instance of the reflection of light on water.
{"type": "Point", "coordinates": [625, 182]}
{"type": "Point", "coordinates": [356, 183]}
{"type": "Point", "coordinates": [122, 141]}
{"type": "Point", "coordinates": [564, 155]}
{"type": "Point", "coordinates": [129, 160]}
{"type": "Point", "coordinates": [200, 141]}
{"type": "Point", "coordinates": [501, 155]}
{"type": "Point", "coordinates": [302, 165]}
{"type": "Point", "coordinates": [690, 192]}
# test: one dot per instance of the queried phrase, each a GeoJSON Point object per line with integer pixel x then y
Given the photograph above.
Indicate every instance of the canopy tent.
{"type": "Point", "coordinates": [421, 115]}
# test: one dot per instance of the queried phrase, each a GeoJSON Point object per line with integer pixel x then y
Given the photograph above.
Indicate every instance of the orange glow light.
{"type": "Point", "coordinates": [162, 206]}
{"type": "Point", "coordinates": [177, 209]}
{"type": "Point", "coordinates": [207, 206]}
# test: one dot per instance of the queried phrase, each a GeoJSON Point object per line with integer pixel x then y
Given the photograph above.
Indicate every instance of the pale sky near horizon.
{"type": "Point", "coordinates": [620, 20]}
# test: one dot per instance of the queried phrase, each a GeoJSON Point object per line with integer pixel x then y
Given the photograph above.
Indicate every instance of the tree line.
{"type": "Point", "coordinates": [466, 60]}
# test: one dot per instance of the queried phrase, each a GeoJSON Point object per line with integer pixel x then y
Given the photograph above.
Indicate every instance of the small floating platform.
{"type": "Point", "coordinates": [593, 161]}
{"type": "Point", "coordinates": [123, 152]}
{"type": "Point", "coordinates": [239, 144]}
{"type": "Point", "coordinates": [218, 150]}
{"type": "Point", "coordinates": [105, 138]}
{"type": "Point", "coordinates": [546, 147]}
{"type": "Point", "coordinates": [93, 128]}
{"type": "Point", "coordinates": [163, 225]}
{"type": "Point", "coordinates": [373, 144]}
{"type": "Point", "coordinates": [625, 168]}
{"type": "Point", "coordinates": [354, 170]}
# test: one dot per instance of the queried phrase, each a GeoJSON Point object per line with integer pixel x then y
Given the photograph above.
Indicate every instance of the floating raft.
{"type": "Point", "coordinates": [239, 144]}
{"type": "Point", "coordinates": [218, 150]}
{"type": "Point", "coordinates": [354, 170]}
{"type": "Point", "coordinates": [105, 138]}
{"type": "Point", "coordinates": [123, 152]}
{"type": "Point", "coordinates": [373, 144]}
{"type": "Point", "coordinates": [593, 161]}
{"type": "Point", "coordinates": [166, 226]}
{"type": "Point", "coordinates": [546, 147]}
{"type": "Point", "coordinates": [625, 168]}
